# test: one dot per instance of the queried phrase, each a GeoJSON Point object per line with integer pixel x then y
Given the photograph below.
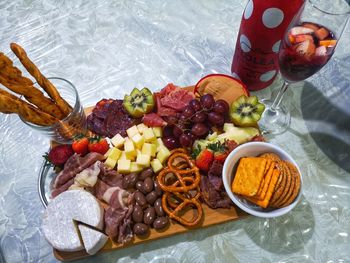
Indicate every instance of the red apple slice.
{"type": "Point", "coordinates": [221, 87]}
{"type": "Point", "coordinates": [322, 33]}
{"type": "Point", "coordinates": [302, 38]}
{"type": "Point", "coordinates": [300, 30]}
{"type": "Point", "coordinates": [306, 48]}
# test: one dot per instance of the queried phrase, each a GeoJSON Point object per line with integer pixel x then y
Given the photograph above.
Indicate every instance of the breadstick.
{"type": "Point", "coordinates": [11, 104]}
{"type": "Point", "coordinates": [41, 79]}
{"type": "Point", "coordinates": [11, 77]}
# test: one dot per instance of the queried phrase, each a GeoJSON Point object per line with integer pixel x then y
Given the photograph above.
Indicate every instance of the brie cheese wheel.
{"type": "Point", "coordinates": [58, 223]}
{"type": "Point", "coordinates": [93, 240]}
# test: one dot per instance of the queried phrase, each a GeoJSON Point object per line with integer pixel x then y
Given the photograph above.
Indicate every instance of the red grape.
{"type": "Point", "coordinates": [168, 131]}
{"type": "Point", "coordinates": [171, 142]}
{"type": "Point", "coordinates": [207, 101]}
{"type": "Point", "coordinates": [216, 119]}
{"type": "Point", "coordinates": [186, 139]}
{"type": "Point", "coordinates": [199, 129]}
{"type": "Point", "coordinates": [221, 107]}
{"type": "Point", "coordinates": [195, 104]}
{"type": "Point", "coordinates": [178, 130]}
{"type": "Point", "coordinates": [199, 117]}
{"type": "Point", "coordinates": [171, 120]}
{"type": "Point", "coordinates": [188, 112]}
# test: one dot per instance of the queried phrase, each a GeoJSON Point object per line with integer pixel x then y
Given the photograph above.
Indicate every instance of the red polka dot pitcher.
{"type": "Point", "coordinates": [263, 24]}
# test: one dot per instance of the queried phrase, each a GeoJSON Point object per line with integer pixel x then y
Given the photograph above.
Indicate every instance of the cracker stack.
{"type": "Point", "coordinates": [266, 181]}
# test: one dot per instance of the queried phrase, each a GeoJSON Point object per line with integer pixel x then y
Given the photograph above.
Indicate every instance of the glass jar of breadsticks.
{"type": "Point", "coordinates": [64, 130]}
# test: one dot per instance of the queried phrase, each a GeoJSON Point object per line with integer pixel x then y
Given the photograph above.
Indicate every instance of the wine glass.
{"type": "Point", "coordinates": [306, 47]}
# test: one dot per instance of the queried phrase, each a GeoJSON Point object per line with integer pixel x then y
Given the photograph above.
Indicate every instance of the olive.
{"type": "Point", "coordinates": [146, 173]}
{"type": "Point", "coordinates": [160, 222]}
{"type": "Point", "coordinates": [157, 188]}
{"type": "Point", "coordinates": [137, 214]}
{"type": "Point", "coordinates": [158, 207]}
{"type": "Point", "coordinates": [141, 229]}
{"type": "Point", "coordinates": [140, 187]}
{"type": "Point", "coordinates": [129, 180]}
{"type": "Point", "coordinates": [149, 215]}
{"type": "Point", "coordinates": [140, 199]}
{"type": "Point", "coordinates": [148, 184]}
{"type": "Point", "coordinates": [151, 197]}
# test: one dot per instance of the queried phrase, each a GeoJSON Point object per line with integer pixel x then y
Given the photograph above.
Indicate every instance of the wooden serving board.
{"type": "Point", "coordinates": [210, 217]}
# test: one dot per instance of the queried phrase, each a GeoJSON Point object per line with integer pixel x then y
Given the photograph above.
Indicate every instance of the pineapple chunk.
{"type": "Point", "coordinates": [149, 149]}
{"type": "Point", "coordinates": [141, 127]}
{"type": "Point", "coordinates": [118, 141]}
{"type": "Point", "coordinates": [135, 168]}
{"type": "Point", "coordinates": [138, 140]}
{"type": "Point", "coordinates": [129, 149]}
{"type": "Point", "coordinates": [124, 166]}
{"type": "Point", "coordinates": [156, 165]}
{"type": "Point", "coordinates": [143, 160]}
{"type": "Point", "coordinates": [110, 162]}
{"type": "Point", "coordinates": [212, 136]}
{"type": "Point", "coordinates": [114, 153]}
{"type": "Point", "coordinates": [132, 131]}
{"type": "Point", "coordinates": [149, 135]}
{"type": "Point", "coordinates": [157, 131]}
{"type": "Point", "coordinates": [227, 126]}
{"type": "Point", "coordinates": [163, 154]}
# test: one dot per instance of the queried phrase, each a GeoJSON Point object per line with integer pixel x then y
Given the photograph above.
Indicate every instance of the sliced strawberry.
{"type": "Point", "coordinates": [322, 33]}
{"type": "Point", "coordinates": [300, 30]}
{"type": "Point", "coordinates": [321, 51]}
{"type": "Point", "coordinates": [311, 26]}
{"type": "Point", "coordinates": [306, 48]}
{"type": "Point", "coordinates": [302, 38]}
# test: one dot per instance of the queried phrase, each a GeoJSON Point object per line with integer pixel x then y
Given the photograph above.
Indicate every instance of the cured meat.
{"type": "Point", "coordinates": [118, 223]}
{"type": "Point", "coordinates": [100, 188]}
{"type": "Point", "coordinates": [109, 118]}
{"type": "Point", "coordinates": [74, 165]}
{"type": "Point", "coordinates": [172, 99]}
{"type": "Point", "coordinates": [110, 176]}
{"type": "Point", "coordinates": [153, 120]}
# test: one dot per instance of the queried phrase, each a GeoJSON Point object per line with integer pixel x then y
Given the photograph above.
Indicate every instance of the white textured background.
{"type": "Point", "coordinates": [106, 48]}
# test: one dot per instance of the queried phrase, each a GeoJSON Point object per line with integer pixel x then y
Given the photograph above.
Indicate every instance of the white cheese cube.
{"type": "Point", "coordinates": [123, 166]}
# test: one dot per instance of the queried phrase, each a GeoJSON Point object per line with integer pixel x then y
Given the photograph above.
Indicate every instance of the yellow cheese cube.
{"type": "Point", "coordinates": [138, 140]}
{"type": "Point", "coordinates": [118, 141]}
{"type": "Point", "coordinates": [143, 160]}
{"type": "Point", "coordinates": [132, 131]}
{"type": "Point", "coordinates": [110, 162]}
{"type": "Point", "coordinates": [123, 166]}
{"type": "Point", "coordinates": [159, 144]}
{"type": "Point", "coordinates": [157, 131]}
{"type": "Point", "coordinates": [107, 153]}
{"type": "Point", "coordinates": [129, 149]}
{"type": "Point", "coordinates": [114, 153]}
{"type": "Point", "coordinates": [135, 168]}
{"type": "Point", "coordinates": [149, 135]}
{"type": "Point", "coordinates": [156, 165]}
{"type": "Point", "coordinates": [149, 149]}
{"type": "Point", "coordinates": [123, 156]}
{"type": "Point", "coordinates": [163, 154]}
{"type": "Point", "coordinates": [141, 127]}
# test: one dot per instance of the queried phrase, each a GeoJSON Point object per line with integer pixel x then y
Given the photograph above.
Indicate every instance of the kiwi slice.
{"type": "Point", "coordinates": [139, 102]}
{"type": "Point", "coordinates": [246, 111]}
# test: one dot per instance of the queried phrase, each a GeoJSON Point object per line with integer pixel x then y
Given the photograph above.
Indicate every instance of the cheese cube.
{"type": "Point", "coordinates": [149, 135]}
{"type": "Point", "coordinates": [114, 153]}
{"type": "Point", "coordinates": [123, 166]}
{"type": "Point", "coordinates": [107, 153]}
{"type": "Point", "coordinates": [163, 154]}
{"type": "Point", "coordinates": [141, 127]}
{"type": "Point", "coordinates": [123, 156]}
{"type": "Point", "coordinates": [157, 131]}
{"type": "Point", "coordinates": [118, 141]}
{"type": "Point", "coordinates": [129, 149]}
{"type": "Point", "coordinates": [135, 168]}
{"type": "Point", "coordinates": [156, 165]}
{"type": "Point", "coordinates": [110, 162]}
{"type": "Point", "coordinates": [143, 160]}
{"type": "Point", "coordinates": [138, 140]}
{"type": "Point", "coordinates": [149, 149]}
{"type": "Point", "coordinates": [159, 144]}
{"type": "Point", "coordinates": [132, 131]}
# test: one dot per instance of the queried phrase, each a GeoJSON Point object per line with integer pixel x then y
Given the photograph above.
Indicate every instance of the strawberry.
{"type": "Point", "coordinates": [220, 156]}
{"type": "Point", "coordinates": [98, 144]}
{"type": "Point", "coordinates": [80, 145]}
{"type": "Point", "coordinates": [59, 154]}
{"type": "Point", "coordinates": [204, 159]}
{"type": "Point", "coordinates": [220, 150]}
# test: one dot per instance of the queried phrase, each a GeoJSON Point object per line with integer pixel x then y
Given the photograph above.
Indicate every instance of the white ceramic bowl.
{"type": "Point", "coordinates": [230, 166]}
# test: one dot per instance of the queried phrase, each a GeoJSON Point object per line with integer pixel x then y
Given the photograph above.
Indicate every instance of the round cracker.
{"type": "Point", "coordinates": [290, 190]}
{"type": "Point", "coordinates": [282, 191]}
{"type": "Point", "coordinates": [295, 173]}
{"type": "Point", "coordinates": [271, 156]}
{"type": "Point", "coordinates": [281, 183]}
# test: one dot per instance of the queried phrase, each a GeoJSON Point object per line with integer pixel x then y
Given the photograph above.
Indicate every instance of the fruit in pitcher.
{"type": "Point", "coordinates": [246, 111]}
{"type": "Point", "coordinates": [139, 102]}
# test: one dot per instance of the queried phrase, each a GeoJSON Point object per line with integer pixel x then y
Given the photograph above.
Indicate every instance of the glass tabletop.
{"type": "Point", "coordinates": [106, 48]}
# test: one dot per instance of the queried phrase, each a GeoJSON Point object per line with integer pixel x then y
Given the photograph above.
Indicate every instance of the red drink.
{"type": "Point", "coordinates": [305, 50]}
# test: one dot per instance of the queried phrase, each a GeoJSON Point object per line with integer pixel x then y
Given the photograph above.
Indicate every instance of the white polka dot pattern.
{"type": "Point", "coordinates": [272, 17]}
